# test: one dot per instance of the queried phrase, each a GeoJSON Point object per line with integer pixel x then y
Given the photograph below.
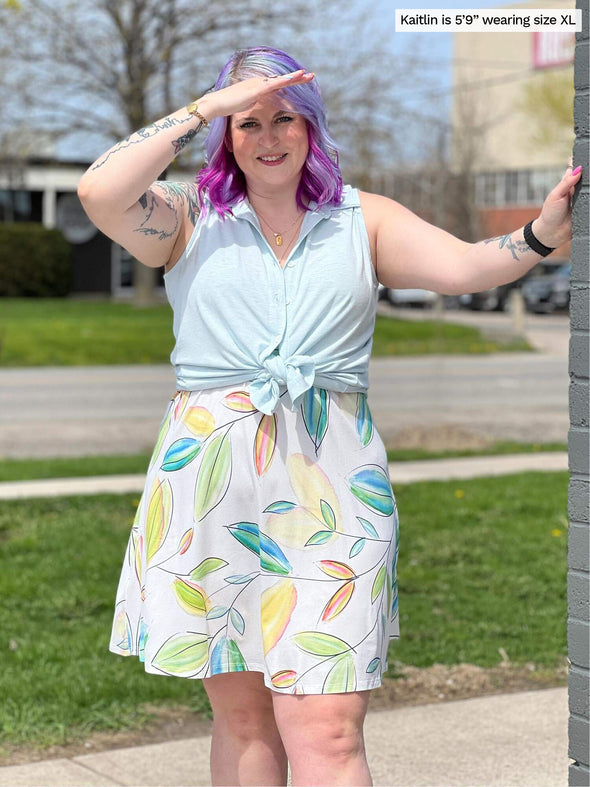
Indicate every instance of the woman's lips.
{"type": "Point", "coordinates": [273, 163]}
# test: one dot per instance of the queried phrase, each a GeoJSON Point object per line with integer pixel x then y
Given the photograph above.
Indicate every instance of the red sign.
{"type": "Point", "coordinates": [553, 48]}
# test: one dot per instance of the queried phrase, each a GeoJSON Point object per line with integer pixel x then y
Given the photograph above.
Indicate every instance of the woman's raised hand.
{"type": "Point", "coordinates": [554, 225]}
{"type": "Point", "coordinates": [243, 95]}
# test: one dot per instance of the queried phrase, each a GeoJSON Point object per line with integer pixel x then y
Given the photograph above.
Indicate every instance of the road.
{"type": "Point", "coordinates": [77, 411]}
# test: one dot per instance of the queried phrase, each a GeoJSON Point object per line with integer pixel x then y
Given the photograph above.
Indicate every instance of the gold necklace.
{"type": "Point", "coordinates": [278, 235]}
{"type": "Point", "coordinates": [290, 244]}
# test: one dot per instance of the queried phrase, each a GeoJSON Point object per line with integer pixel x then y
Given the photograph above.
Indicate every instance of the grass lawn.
{"type": "Point", "coordinates": [482, 566]}
{"type": "Point", "coordinates": [66, 332]}
{"type": "Point", "coordinates": [69, 332]}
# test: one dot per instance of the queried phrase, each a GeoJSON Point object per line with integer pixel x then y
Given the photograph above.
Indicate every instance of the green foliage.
{"type": "Point", "coordinates": [34, 261]}
{"type": "Point", "coordinates": [548, 100]}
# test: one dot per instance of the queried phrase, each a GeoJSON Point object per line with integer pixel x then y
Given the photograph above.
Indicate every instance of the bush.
{"type": "Point", "coordinates": [34, 261]}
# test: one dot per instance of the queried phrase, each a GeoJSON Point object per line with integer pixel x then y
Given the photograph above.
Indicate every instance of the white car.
{"type": "Point", "coordinates": [411, 296]}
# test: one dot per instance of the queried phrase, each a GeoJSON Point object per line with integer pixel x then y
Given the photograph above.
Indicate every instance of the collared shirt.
{"type": "Point", "coordinates": [241, 318]}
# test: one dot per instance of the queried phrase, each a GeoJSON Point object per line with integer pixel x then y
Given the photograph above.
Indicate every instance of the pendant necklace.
{"type": "Point", "coordinates": [278, 235]}
{"type": "Point", "coordinates": [290, 243]}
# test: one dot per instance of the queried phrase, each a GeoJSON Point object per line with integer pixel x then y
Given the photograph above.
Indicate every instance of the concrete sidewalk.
{"type": "Point", "coordinates": [400, 473]}
{"type": "Point", "coordinates": [498, 740]}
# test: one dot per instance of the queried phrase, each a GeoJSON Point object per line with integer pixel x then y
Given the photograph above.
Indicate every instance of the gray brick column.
{"type": "Point", "coordinates": [578, 444]}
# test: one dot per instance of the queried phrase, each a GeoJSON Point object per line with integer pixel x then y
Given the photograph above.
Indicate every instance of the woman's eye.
{"type": "Point", "coordinates": [252, 123]}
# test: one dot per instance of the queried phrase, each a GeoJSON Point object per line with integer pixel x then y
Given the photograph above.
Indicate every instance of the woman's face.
{"type": "Point", "coordinates": [270, 144]}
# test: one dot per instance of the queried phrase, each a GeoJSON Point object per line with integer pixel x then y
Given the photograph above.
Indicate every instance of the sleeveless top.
{"type": "Point", "coordinates": [241, 318]}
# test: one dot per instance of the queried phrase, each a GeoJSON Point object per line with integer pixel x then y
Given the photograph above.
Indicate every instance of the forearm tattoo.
{"type": "Point", "coordinates": [514, 246]}
{"type": "Point", "coordinates": [182, 142]}
{"type": "Point", "coordinates": [145, 133]}
{"type": "Point", "coordinates": [176, 197]}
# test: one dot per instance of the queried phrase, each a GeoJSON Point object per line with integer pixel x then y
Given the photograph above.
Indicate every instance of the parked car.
{"type": "Point", "coordinates": [413, 297]}
{"type": "Point", "coordinates": [424, 297]}
{"type": "Point", "coordinates": [497, 298]}
{"type": "Point", "coordinates": [549, 289]}
{"type": "Point", "coordinates": [494, 299]}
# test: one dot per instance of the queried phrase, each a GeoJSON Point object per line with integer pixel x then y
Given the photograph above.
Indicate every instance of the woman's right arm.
{"type": "Point", "coordinates": [122, 197]}
{"type": "Point", "coordinates": [120, 193]}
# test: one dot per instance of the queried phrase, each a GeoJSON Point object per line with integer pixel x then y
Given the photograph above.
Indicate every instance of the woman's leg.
{"type": "Point", "coordinates": [323, 737]}
{"type": "Point", "coordinates": [246, 747]}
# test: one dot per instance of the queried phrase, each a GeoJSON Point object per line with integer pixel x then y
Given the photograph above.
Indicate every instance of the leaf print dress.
{"type": "Point", "coordinates": [264, 542]}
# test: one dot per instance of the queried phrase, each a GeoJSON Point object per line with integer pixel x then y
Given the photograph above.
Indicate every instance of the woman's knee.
{"type": "Point", "coordinates": [242, 703]}
{"type": "Point", "coordinates": [329, 725]}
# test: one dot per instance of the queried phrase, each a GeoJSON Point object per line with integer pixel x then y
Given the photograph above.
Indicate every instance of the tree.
{"type": "Point", "coordinates": [548, 101]}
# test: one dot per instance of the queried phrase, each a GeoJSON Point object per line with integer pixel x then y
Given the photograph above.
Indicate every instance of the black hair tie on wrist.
{"type": "Point", "coordinates": [535, 243]}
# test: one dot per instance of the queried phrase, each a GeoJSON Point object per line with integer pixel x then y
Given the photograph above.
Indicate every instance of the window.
{"type": "Point", "coordinates": [20, 205]}
{"type": "Point", "coordinates": [522, 187]}
{"type": "Point", "coordinates": [511, 193]}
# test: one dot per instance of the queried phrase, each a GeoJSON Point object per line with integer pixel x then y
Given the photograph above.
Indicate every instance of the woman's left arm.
{"type": "Point", "coordinates": [410, 252]}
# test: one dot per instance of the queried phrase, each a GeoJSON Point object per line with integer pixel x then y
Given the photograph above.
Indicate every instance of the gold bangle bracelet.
{"type": "Point", "coordinates": [193, 109]}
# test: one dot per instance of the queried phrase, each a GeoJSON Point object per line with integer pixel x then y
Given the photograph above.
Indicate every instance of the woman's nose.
{"type": "Point", "coordinates": [268, 137]}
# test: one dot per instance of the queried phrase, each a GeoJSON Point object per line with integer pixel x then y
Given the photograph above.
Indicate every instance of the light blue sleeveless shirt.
{"type": "Point", "coordinates": [241, 318]}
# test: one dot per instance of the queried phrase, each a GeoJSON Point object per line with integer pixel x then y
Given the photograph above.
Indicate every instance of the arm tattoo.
{"type": "Point", "coordinates": [175, 196]}
{"type": "Point", "coordinates": [192, 203]}
{"type": "Point", "coordinates": [141, 135]}
{"type": "Point", "coordinates": [514, 246]}
{"type": "Point", "coordinates": [182, 142]}
{"type": "Point", "coordinates": [149, 202]}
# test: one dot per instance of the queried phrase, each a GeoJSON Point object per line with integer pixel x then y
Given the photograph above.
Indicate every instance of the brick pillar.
{"type": "Point", "coordinates": [578, 443]}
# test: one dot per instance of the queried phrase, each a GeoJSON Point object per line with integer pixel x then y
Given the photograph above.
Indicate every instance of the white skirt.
{"type": "Point", "coordinates": [265, 543]}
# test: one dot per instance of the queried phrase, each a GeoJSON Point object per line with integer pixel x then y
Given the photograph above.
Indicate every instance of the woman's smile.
{"type": "Point", "coordinates": [272, 161]}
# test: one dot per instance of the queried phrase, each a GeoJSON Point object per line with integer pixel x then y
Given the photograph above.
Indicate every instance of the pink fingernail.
{"type": "Point", "coordinates": [577, 169]}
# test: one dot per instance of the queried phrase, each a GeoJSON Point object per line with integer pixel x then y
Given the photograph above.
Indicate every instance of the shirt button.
{"type": "Point", "coordinates": [287, 303]}
{"type": "Point", "coordinates": [290, 265]}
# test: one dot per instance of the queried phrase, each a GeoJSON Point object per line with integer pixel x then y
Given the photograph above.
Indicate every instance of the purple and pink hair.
{"type": "Point", "coordinates": [223, 182]}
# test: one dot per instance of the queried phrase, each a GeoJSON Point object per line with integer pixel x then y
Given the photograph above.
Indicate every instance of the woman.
{"type": "Point", "coordinates": [263, 554]}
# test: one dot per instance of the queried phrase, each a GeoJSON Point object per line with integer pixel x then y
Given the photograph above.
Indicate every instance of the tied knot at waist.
{"type": "Point", "coordinates": [296, 372]}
